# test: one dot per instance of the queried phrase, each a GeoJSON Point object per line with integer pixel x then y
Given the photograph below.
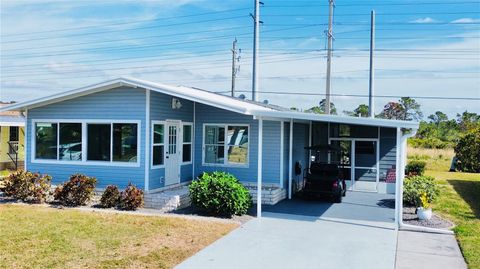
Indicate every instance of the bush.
{"type": "Point", "coordinates": [467, 151]}
{"type": "Point", "coordinates": [221, 194]}
{"type": "Point", "coordinates": [110, 197]}
{"type": "Point", "coordinates": [27, 186]}
{"type": "Point", "coordinates": [415, 168]}
{"type": "Point", "coordinates": [131, 198]}
{"type": "Point", "coordinates": [414, 187]}
{"type": "Point", "coordinates": [78, 190]}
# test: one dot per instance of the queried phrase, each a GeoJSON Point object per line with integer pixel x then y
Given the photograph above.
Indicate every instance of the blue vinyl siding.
{"type": "Point", "coordinates": [300, 141]}
{"type": "Point", "coordinates": [271, 152]}
{"type": "Point", "coordinates": [161, 110]}
{"type": "Point", "coordinates": [117, 104]}
{"type": "Point", "coordinates": [207, 114]}
{"type": "Point", "coordinates": [388, 150]}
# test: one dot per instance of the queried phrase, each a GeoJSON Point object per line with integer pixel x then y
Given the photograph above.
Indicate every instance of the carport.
{"type": "Point", "coordinates": [330, 129]}
{"type": "Point", "coordinates": [357, 233]}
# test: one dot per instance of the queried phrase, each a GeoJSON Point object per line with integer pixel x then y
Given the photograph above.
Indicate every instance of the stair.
{"type": "Point", "coordinates": [168, 200]}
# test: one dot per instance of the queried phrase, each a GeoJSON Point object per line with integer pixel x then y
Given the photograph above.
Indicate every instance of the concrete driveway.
{"type": "Point", "coordinates": [358, 233]}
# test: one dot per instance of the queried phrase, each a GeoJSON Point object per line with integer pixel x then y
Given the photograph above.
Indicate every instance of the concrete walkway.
{"type": "Point", "coordinates": [428, 251]}
{"type": "Point", "coordinates": [358, 233]}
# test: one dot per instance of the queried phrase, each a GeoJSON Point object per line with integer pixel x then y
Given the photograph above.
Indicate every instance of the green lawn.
{"type": "Point", "coordinates": [459, 201]}
{"type": "Point", "coordinates": [42, 237]}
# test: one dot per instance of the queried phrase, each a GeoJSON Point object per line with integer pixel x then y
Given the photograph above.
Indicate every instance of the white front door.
{"type": "Point", "coordinates": [172, 153]}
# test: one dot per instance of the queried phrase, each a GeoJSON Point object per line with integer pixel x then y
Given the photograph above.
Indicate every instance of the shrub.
{"type": "Point", "coordinates": [110, 197]}
{"type": "Point", "coordinates": [415, 168]}
{"type": "Point", "coordinates": [467, 151]}
{"type": "Point", "coordinates": [131, 198]}
{"type": "Point", "coordinates": [221, 194]}
{"type": "Point", "coordinates": [414, 187]}
{"type": "Point", "coordinates": [27, 186]}
{"type": "Point", "coordinates": [78, 190]}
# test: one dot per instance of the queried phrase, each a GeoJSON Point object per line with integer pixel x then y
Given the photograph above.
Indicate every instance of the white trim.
{"type": "Point", "coordinates": [84, 160]}
{"type": "Point", "coordinates": [147, 140]}
{"type": "Point", "coordinates": [290, 160]}
{"type": "Point", "coordinates": [398, 188]}
{"type": "Point", "coordinates": [25, 142]}
{"type": "Point", "coordinates": [282, 149]}
{"type": "Point", "coordinates": [153, 144]}
{"type": "Point", "coordinates": [183, 124]}
{"type": "Point", "coordinates": [194, 131]}
{"type": "Point", "coordinates": [225, 145]}
{"type": "Point", "coordinates": [259, 168]}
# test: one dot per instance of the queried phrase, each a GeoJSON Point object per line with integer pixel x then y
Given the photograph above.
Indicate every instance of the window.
{"type": "Point", "coordinates": [46, 141]}
{"type": "Point", "coordinates": [70, 147]}
{"type": "Point", "coordinates": [124, 142]}
{"type": "Point", "coordinates": [214, 144]}
{"type": "Point", "coordinates": [13, 134]}
{"type": "Point", "coordinates": [234, 147]}
{"type": "Point", "coordinates": [187, 143]}
{"type": "Point", "coordinates": [83, 141]}
{"type": "Point", "coordinates": [158, 144]}
{"type": "Point", "coordinates": [98, 141]}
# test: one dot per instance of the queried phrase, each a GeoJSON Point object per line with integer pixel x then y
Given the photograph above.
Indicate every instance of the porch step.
{"type": "Point", "coordinates": [168, 200]}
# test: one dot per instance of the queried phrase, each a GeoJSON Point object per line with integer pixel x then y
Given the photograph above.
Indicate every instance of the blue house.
{"type": "Point", "coordinates": [159, 136]}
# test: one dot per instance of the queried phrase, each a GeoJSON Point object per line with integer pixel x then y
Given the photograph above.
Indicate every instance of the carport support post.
{"type": "Point", "coordinates": [290, 160]}
{"type": "Point", "coordinates": [259, 166]}
{"type": "Point", "coordinates": [399, 180]}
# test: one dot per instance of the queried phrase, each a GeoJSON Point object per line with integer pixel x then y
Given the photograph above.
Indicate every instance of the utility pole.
{"type": "Point", "coordinates": [371, 89]}
{"type": "Point", "coordinates": [329, 55]}
{"type": "Point", "coordinates": [235, 69]}
{"type": "Point", "coordinates": [256, 44]}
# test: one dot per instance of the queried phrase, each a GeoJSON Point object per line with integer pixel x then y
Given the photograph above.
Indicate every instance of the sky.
{"type": "Point", "coordinates": [425, 49]}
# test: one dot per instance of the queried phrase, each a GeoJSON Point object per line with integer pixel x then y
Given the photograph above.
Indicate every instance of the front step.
{"type": "Point", "coordinates": [168, 200]}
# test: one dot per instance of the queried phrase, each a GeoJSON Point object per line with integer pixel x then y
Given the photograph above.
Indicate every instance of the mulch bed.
{"type": "Point", "coordinates": [409, 217]}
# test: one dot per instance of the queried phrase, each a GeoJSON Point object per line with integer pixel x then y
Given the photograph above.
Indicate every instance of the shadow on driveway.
{"type": "Point", "coordinates": [356, 206]}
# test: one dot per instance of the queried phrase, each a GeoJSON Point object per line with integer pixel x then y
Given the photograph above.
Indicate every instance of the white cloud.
{"type": "Point", "coordinates": [466, 20]}
{"type": "Point", "coordinates": [424, 20]}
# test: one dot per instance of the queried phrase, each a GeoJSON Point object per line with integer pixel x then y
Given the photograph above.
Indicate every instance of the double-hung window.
{"type": "Point", "coordinates": [85, 141]}
{"type": "Point", "coordinates": [226, 144]}
{"type": "Point", "coordinates": [187, 143]}
{"type": "Point", "coordinates": [158, 144]}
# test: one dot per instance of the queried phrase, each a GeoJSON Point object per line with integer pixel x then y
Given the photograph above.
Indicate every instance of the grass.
{"type": "Point", "coordinates": [459, 200]}
{"type": "Point", "coordinates": [43, 237]}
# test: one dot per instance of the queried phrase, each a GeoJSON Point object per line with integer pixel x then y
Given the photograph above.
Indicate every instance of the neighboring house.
{"type": "Point", "coordinates": [157, 136]}
{"type": "Point", "coordinates": [12, 134]}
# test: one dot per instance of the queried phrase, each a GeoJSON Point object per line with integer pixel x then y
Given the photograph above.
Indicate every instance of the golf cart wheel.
{"type": "Point", "coordinates": [338, 198]}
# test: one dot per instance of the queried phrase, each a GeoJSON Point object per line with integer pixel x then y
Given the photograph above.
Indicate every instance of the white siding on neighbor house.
{"type": "Point", "coordinates": [117, 104]}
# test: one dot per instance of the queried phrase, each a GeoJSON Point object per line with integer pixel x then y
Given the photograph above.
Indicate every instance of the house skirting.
{"type": "Point", "coordinates": [271, 194]}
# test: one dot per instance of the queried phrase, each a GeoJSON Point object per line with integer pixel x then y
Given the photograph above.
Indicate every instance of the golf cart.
{"type": "Point", "coordinates": [323, 179]}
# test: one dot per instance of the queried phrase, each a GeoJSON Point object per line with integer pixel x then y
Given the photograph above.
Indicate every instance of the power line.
{"type": "Point", "coordinates": [129, 22]}
{"type": "Point", "coordinates": [366, 95]}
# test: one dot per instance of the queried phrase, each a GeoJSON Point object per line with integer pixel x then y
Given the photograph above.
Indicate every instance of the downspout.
{"type": "Point", "coordinates": [402, 155]}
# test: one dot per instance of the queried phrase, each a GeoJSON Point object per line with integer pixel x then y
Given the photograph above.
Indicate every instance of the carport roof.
{"type": "Point", "coordinates": [238, 105]}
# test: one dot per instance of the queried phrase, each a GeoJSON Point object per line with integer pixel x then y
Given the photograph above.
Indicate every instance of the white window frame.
{"type": "Point", "coordinates": [225, 146]}
{"type": "Point", "coordinates": [157, 122]}
{"type": "Point", "coordinates": [187, 143]}
{"type": "Point", "coordinates": [84, 160]}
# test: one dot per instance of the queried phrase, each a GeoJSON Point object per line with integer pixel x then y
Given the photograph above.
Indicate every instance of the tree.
{"type": "Point", "coordinates": [467, 151]}
{"type": "Point", "coordinates": [468, 121]}
{"type": "Point", "coordinates": [438, 117]}
{"type": "Point", "coordinates": [360, 111]}
{"type": "Point", "coordinates": [320, 109]}
{"type": "Point", "coordinates": [405, 109]}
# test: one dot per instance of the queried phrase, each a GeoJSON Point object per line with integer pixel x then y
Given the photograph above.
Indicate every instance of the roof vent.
{"type": "Point", "coordinates": [265, 101]}
{"type": "Point", "coordinates": [242, 96]}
